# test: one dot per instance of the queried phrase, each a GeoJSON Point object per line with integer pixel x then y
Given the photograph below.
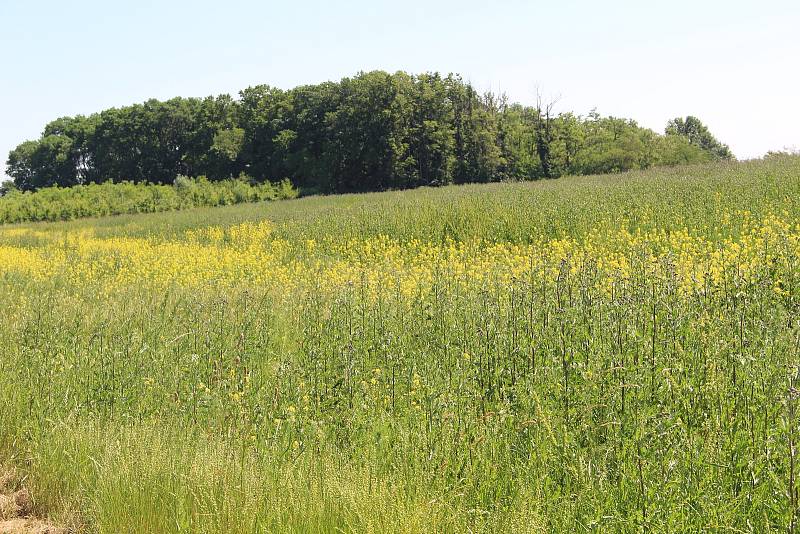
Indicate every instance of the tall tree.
{"type": "Point", "coordinates": [698, 135]}
{"type": "Point", "coordinates": [545, 134]}
{"type": "Point", "coordinates": [20, 165]}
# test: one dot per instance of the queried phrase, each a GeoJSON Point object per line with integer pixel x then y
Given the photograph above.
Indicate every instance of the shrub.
{"type": "Point", "coordinates": [95, 200]}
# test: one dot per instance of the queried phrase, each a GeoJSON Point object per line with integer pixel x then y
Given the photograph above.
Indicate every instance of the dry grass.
{"type": "Point", "coordinates": [17, 508]}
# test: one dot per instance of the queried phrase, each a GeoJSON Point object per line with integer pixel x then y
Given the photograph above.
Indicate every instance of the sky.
{"type": "Point", "coordinates": [734, 64]}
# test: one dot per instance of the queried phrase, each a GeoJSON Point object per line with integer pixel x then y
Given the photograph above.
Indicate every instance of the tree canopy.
{"type": "Point", "coordinates": [370, 132]}
{"type": "Point", "coordinates": [698, 135]}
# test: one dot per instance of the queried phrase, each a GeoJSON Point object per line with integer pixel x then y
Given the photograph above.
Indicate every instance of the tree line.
{"type": "Point", "coordinates": [373, 131]}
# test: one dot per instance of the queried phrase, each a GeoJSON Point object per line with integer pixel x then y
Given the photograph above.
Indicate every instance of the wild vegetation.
{"type": "Point", "coordinates": [603, 353]}
{"type": "Point", "coordinates": [92, 200]}
{"type": "Point", "coordinates": [375, 131]}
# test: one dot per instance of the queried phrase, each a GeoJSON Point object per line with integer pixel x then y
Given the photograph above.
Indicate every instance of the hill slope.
{"type": "Point", "coordinates": [616, 353]}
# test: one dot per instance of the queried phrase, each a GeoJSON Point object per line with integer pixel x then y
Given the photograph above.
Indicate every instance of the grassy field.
{"type": "Point", "coordinates": [612, 353]}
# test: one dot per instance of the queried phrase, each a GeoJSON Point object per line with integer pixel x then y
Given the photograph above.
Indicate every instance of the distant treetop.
{"type": "Point", "coordinates": [698, 135]}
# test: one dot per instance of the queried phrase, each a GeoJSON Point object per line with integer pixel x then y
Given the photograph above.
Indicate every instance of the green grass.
{"type": "Point", "coordinates": [502, 407]}
{"type": "Point", "coordinates": [663, 198]}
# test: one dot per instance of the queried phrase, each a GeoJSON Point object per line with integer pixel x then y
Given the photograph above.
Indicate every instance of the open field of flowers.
{"type": "Point", "coordinates": [612, 353]}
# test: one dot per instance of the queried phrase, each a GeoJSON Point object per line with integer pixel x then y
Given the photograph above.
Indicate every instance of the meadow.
{"type": "Point", "coordinates": [610, 353]}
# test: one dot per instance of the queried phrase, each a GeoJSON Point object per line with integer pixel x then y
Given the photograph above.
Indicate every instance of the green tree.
{"type": "Point", "coordinates": [678, 150]}
{"type": "Point", "coordinates": [225, 152]}
{"type": "Point", "coordinates": [698, 135]}
{"type": "Point", "coordinates": [369, 132]}
{"type": "Point", "coordinates": [517, 141]}
{"type": "Point", "coordinates": [20, 165]}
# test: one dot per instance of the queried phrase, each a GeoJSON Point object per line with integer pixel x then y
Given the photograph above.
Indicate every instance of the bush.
{"type": "Point", "coordinates": [95, 200]}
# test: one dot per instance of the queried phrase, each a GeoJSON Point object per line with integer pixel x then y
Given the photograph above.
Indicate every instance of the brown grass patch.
{"type": "Point", "coordinates": [16, 508]}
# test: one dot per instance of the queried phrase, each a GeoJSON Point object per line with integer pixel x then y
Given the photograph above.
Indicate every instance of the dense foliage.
{"type": "Point", "coordinates": [371, 132]}
{"type": "Point", "coordinates": [601, 354]}
{"type": "Point", "coordinates": [64, 203]}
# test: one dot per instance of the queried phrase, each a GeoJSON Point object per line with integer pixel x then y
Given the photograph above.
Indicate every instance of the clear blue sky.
{"type": "Point", "coordinates": [735, 64]}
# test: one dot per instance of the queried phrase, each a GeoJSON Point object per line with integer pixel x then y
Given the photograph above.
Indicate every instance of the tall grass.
{"type": "Point", "coordinates": [605, 354]}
